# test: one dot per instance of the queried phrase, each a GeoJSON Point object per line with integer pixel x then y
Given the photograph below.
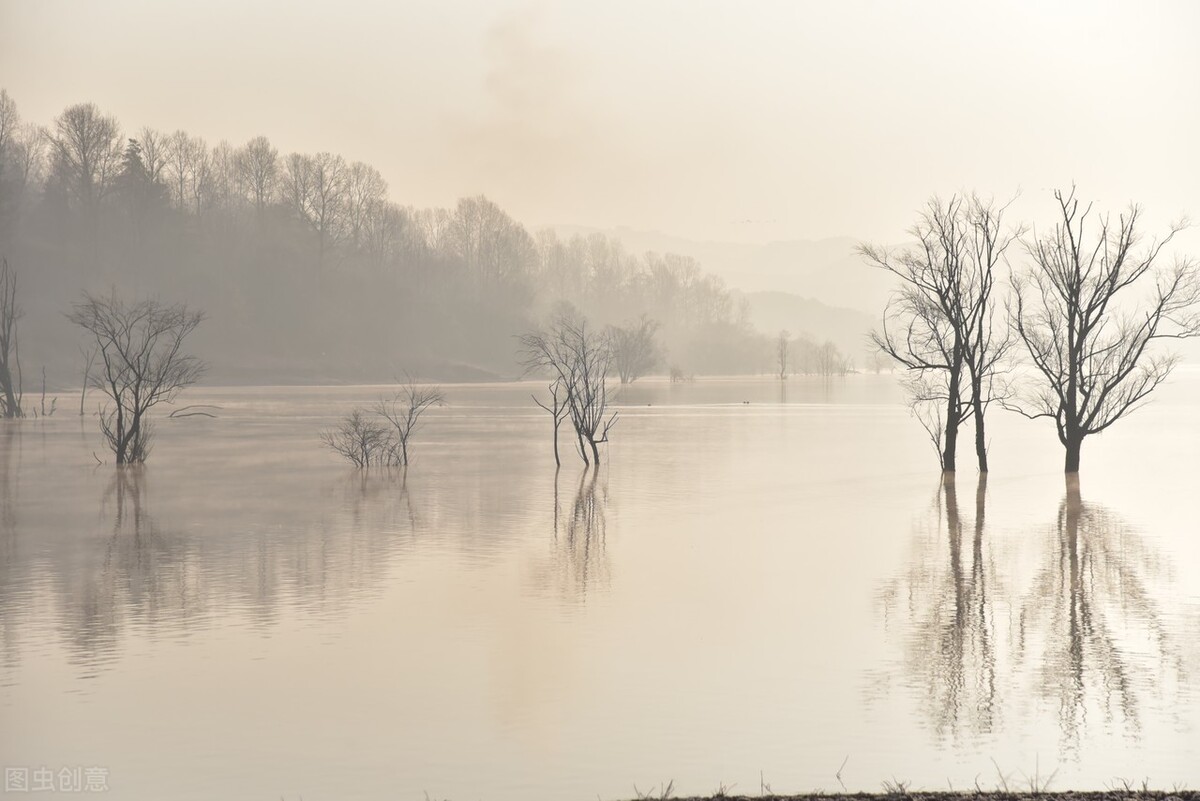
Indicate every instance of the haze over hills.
{"type": "Point", "coordinates": [772, 312]}
{"type": "Point", "coordinates": [825, 270]}
{"type": "Point", "coordinates": [819, 288]}
{"type": "Point", "coordinates": [816, 287]}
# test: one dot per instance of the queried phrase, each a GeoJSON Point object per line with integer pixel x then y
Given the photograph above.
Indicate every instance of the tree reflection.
{"type": "Point", "coordinates": [1091, 628]}
{"type": "Point", "coordinates": [1087, 638]}
{"type": "Point", "coordinates": [139, 573]}
{"type": "Point", "coordinates": [171, 577]}
{"type": "Point", "coordinates": [578, 562]}
{"type": "Point", "coordinates": [9, 575]}
{"type": "Point", "coordinates": [950, 654]}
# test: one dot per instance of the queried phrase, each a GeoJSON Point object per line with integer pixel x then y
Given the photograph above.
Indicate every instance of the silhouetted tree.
{"type": "Point", "coordinates": [781, 354]}
{"type": "Point", "coordinates": [942, 318]}
{"type": "Point", "coordinates": [257, 167]}
{"type": "Point", "coordinates": [360, 438]}
{"type": "Point", "coordinates": [86, 147]}
{"type": "Point", "coordinates": [143, 364]}
{"type": "Point", "coordinates": [315, 191]}
{"type": "Point", "coordinates": [89, 358]}
{"type": "Point", "coordinates": [580, 359]}
{"type": "Point", "coordinates": [366, 190]}
{"type": "Point", "coordinates": [635, 350]}
{"type": "Point", "coordinates": [1089, 309]}
{"type": "Point", "coordinates": [558, 409]}
{"type": "Point", "coordinates": [403, 412]}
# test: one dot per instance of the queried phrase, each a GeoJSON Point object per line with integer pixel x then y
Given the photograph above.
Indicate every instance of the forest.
{"type": "Point", "coordinates": [311, 272]}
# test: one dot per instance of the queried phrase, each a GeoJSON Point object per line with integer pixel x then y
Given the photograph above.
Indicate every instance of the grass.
{"type": "Point", "coordinates": [898, 789]}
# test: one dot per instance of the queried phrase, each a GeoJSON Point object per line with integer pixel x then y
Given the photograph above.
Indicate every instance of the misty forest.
{"type": "Point", "coordinates": [727, 455]}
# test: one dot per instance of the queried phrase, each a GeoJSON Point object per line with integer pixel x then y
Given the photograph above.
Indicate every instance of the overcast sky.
{"type": "Point", "coordinates": [747, 121]}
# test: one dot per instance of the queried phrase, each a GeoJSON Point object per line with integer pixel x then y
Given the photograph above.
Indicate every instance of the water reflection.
{"type": "Point", "coordinates": [1090, 629]}
{"type": "Point", "coordinates": [165, 566]}
{"type": "Point", "coordinates": [578, 563]}
{"type": "Point", "coordinates": [1084, 640]}
{"type": "Point", "coordinates": [8, 543]}
{"type": "Point", "coordinates": [950, 653]}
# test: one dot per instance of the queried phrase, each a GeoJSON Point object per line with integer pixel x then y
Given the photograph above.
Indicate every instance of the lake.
{"type": "Point", "coordinates": [764, 584]}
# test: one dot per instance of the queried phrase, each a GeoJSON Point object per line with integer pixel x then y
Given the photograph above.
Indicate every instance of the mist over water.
{"type": "Point", "coordinates": [762, 576]}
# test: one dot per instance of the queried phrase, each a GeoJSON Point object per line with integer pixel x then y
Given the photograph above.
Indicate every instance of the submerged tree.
{"type": "Point", "coordinates": [579, 358]}
{"type": "Point", "coordinates": [403, 413]}
{"type": "Point", "coordinates": [635, 350]}
{"type": "Point", "coordinates": [942, 318]}
{"type": "Point", "coordinates": [360, 439]}
{"type": "Point", "coordinates": [10, 351]}
{"type": "Point", "coordinates": [781, 354]}
{"type": "Point", "coordinates": [142, 364]}
{"type": "Point", "coordinates": [380, 436]}
{"type": "Point", "coordinates": [558, 410]}
{"type": "Point", "coordinates": [1089, 309]}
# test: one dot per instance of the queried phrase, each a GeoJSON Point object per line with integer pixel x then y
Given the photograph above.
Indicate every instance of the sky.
{"type": "Point", "coordinates": [747, 122]}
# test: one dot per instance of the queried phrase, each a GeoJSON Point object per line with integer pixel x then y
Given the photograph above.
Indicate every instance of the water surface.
{"type": "Point", "coordinates": [762, 582]}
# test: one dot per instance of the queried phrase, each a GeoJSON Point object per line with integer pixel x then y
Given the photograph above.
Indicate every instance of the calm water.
{"type": "Point", "coordinates": [773, 589]}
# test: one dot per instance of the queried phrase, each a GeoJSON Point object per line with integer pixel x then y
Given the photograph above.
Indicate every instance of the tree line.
{"type": "Point", "coordinates": [1070, 336]}
{"type": "Point", "coordinates": [311, 267]}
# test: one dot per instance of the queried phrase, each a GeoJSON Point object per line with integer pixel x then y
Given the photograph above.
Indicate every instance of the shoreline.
{"type": "Point", "coordinates": [947, 795]}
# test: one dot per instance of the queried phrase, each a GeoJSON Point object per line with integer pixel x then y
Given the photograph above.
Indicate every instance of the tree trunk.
{"type": "Point", "coordinates": [10, 400]}
{"type": "Point", "coordinates": [1073, 445]}
{"type": "Point", "coordinates": [953, 418]}
{"type": "Point", "coordinates": [980, 438]}
{"type": "Point", "coordinates": [595, 453]}
{"type": "Point", "coordinates": [557, 461]}
{"type": "Point", "coordinates": [951, 447]}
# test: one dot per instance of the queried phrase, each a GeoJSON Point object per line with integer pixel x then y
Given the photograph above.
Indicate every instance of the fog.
{"type": "Point", "coordinates": [706, 121]}
{"type": "Point", "coordinates": [760, 146]}
{"type": "Point", "coordinates": [529, 400]}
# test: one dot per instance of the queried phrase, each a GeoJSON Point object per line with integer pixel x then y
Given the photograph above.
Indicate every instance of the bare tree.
{"type": "Point", "coordinates": [359, 438]}
{"type": "Point", "coordinates": [1089, 309]}
{"type": "Point", "coordinates": [10, 349]}
{"type": "Point", "coordinates": [635, 351]}
{"type": "Point", "coordinates": [189, 162]}
{"type": "Point", "coordinates": [365, 191]}
{"type": "Point", "coordinates": [10, 187]}
{"type": "Point", "coordinates": [22, 164]}
{"type": "Point", "coordinates": [942, 317]}
{"type": "Point", "coordinates": [403, 412]}
{"type": "Point", "coordinates": [387, 230]}
{"type": "Point", "coordinates": [580, 359]}
{"type": "Point", "coordinates": [10, 121]}
{"type": "Point", "coordinates": [830, 360]}
{"type": "Point", "coordinates": [558, 409]}
{"type": "Point", "coordinates": [257, 167]}
{"type": "Point", "coordinates": [155, 149]}
{"type": "Point", "coordinates": [781, 354]}
{"type": "Point", "coordinates": [315, 189]}
{"type": "Point", "coordinates": [87, 153]}
{"type": "Point", "coordinates": [140, 347]}
{"type": "Point", "coordinates": [89, 358]}
{"type": "Point", "coordinates": [928, 401]}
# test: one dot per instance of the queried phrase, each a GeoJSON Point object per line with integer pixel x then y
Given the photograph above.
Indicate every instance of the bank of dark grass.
{"type": "Point", "coordinates": [1107, 795]}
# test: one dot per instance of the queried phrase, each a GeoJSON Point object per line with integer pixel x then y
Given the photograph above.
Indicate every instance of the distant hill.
{"type": "Point", "coordinates": [787, 283]}
{"type": "Point", "coordinates": [772, 312]}
{"type": "Point", "coordinates": [827, 269]}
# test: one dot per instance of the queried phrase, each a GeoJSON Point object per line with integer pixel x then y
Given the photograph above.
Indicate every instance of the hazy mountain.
{"type": "Point", "coordinates": [826, 270]}
{"type": "Point", "coordinates": [772, 312]}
